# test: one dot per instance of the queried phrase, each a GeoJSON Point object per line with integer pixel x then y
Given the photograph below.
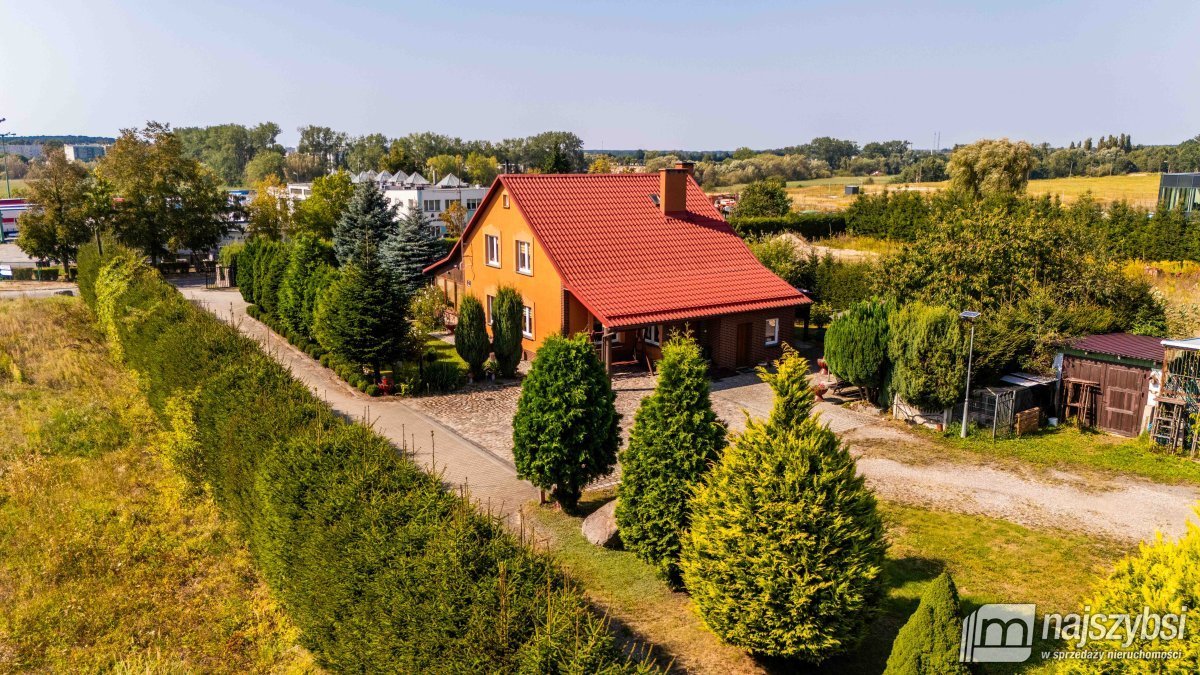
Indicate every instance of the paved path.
{"type": "Point", "coordinates": [491, 479]}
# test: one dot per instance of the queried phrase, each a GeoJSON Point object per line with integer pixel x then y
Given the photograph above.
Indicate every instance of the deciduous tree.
{"type": "Point", "coordinates": [57, 225]}
{"type": "Point", "coordinates": [991, 167]}
{"type": "Point", "coordinates": [763, 198]}
{"type": "Point", "coordinates": [328, 200]}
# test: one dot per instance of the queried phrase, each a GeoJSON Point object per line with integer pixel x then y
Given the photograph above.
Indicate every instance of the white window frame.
{"type": "Point", "coordinates": [433, 205]}
{"type": "Point", "coordinates": [472, 204]}
{"type": "Point", "coordinates": [527, 268]}
{"type": "Point", "coordinates": [771, 340]}
{"type": "Point", "coordinates": [652, 334]}
{"type": "Point", "coordinates": [446, 204]}
{"type": "Point", "coordinates": [489, 249]}
{"type": "Point", "coordinates": [527, 321]}
{"type": "Point", "coordinates": [505, 200]}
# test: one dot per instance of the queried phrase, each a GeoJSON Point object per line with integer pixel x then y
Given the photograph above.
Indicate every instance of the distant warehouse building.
{"type": "Point", "coordinates": [1180, 190]}
{"type": "Point", "coordinates": [84, 153]}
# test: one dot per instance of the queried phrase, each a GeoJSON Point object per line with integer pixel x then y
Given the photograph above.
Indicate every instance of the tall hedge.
{"type": "Point", "coordinates": [928, 644]}
{"type": "Point", "coordinates": [378, 566]}
{"type": "Point", "coordinates": [786, 549]}
{"type": "Point", "coordinates": [565, 432]}
{"type": "Point", "coordinates": [309, 257]}
{"type": "Point", "coordinates": [676, 436]}
{"type": "Point", "coordinates": [470, 337]}
{"type": "Point", "coordinates": [928, 347]}
{"type": "Point", "coordinates": [856, 346]}
{"type": "Point", "coordinates": [506, 329]}
{"type": "Point", "coordinates": [810, 225]}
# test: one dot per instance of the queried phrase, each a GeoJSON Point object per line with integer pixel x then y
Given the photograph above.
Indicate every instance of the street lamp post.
{"type": "Point", "coordinates": [970, 317]}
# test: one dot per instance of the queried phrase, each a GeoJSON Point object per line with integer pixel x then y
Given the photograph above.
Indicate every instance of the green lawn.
{"type": "Point", "coordinates": [1067, 447]}
{"type": "Point", "coordinates": [991, 560]}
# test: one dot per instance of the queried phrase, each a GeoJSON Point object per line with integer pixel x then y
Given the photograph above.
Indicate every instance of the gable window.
{"type": "Point", "coordinates": [652, 334]}
{"type": "Point", "coordinates": [505, 200]}
{"type": "Point", "coordinates": [491, 244]}
{"type": "Point", "coordinates": [772, 332]}
{"type": "Point", "coordinates": [472, 204]}
{"type": "Point", "coordinates": [527, 321]}
{"type": "Point", "coordinates": [525, 257]}
{"type": "Point", "coordinates": [491, 299]}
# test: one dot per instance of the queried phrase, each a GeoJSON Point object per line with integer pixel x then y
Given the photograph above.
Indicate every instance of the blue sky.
{"type": "Point", "coordinates": [697, 74]}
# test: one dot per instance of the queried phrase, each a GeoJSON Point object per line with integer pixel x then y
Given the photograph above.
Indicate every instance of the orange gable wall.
{"type": "Point", "coordinates": [542, 290]}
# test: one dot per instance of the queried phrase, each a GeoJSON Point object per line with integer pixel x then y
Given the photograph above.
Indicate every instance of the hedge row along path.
{"type": "Point", "coordinates": [901, 466]}
{"type": "Point", "coordinates": [491, 479]}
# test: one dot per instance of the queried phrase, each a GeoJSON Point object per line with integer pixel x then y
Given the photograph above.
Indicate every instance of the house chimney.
{"type": "Point", "coordinates": [690, 167]}
{"type": "Point", "coordinates": [672, 189]}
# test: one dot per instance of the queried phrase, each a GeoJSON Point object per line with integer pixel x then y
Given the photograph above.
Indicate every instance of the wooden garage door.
{"type": "Point", "coordinates": [1122, 399]}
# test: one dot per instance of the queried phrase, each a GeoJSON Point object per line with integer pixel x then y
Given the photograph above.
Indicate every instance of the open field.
{"type": "Point", "coordinates": [991, 561]}
{"type": "Point", "coordinates": [107, 562]}
{"type": "Point", "coordinates": [1179, 284]}
{"type": "Point", "coordinates": [18, 184]}
{"type": "Point", "coordinates": [828, 194]}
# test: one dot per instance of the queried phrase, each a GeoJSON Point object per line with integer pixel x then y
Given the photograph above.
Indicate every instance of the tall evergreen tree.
{"type": "Point", "coordinates": [368, 220]}
{"type": "Point", "coordinates": [565, 432]}
{"type": "Point", "coordinates": [308, 257]}
{"type": "Point", "coordinates": [507, 311]}
{"type": "Point", "coordinates": [359, 317]}
{"type": "Point", "coordinates": [471, 338]}
{"type": "Point", "coordinates": [928, 643]}
{"type": "Point", "coordinates": [409, 250]}
{"type": "Point", "coordinates": [676, 436]}
{"type": "Point", "coordinates": [786, 549]}
{"type": "Point", "coordinates": [856, 346]}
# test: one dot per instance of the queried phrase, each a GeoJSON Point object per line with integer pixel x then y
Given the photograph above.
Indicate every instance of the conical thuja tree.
{"type": "Point", "coordinates": [676, 436]}
{"type": "Point", "coordinates": [470, 337]}
{"type": "Point", "coordinates": [785, 553]}
{"type": "Point", "coordinates": [856, 346]}
{"type": "Point", "coordinates": [506, 329]}
{"type": "Point", "coordinates": [565, 432]}
{"type": "Point", "coordinates": [928, 644]}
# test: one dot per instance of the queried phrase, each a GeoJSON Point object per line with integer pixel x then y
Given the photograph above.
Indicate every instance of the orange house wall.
{"type": "Point", "coordinates": [542, 290]}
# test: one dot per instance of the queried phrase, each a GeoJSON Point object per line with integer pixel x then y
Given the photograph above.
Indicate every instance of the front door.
{"type": "Point", "coordinates": [742, 357]}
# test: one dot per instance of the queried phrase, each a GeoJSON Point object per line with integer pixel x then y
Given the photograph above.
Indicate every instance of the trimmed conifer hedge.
{"type": "Point", "coordinates": [380, 568]}
{"type": "Point", "coordinates": [810, 225]}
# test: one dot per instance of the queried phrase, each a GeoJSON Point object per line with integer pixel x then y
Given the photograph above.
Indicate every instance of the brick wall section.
{"type": "Point", "coordinates": [723, 336]}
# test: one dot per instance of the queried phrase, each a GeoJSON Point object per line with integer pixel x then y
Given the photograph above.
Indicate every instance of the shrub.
{"type": "Point", "coordinates": [565, 431]}
{"type": "Point", "coordinates": [1163, 576]}
{"type": "Point", "coordinates": [377, 565]}
{"type": "Point", "coordinates": [470, 338]}
{"type": "Point", "coordinates": [272, 263]}
{"type": "Point", "coordinates": [856, 346]}
{"type": "Point", "coordinates": [506, 329]}
{"type": "Point", "coordinates": [442, 376]}
{"type": "Point", "coordinates": [676, 436]}
{"type": "Point", "coordinates": [785, 553]}
{"type": "Point", "coordinates": [928, 349]}
{"type": "Point", "coordinates": [764, 198]}
{"type": "Point", "coordinates": [35, 273]}
{"type": "Point", "coordinates": [928, 644]}
{"type": "Point", "coordinates": [308, 257]}
{"type": "Point", "coordinates": [248, 268]}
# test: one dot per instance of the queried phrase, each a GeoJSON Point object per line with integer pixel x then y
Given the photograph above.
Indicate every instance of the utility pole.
{"type": "Point", "coordinates": [7, 183]}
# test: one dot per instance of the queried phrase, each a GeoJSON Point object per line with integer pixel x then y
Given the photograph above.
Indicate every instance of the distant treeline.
{"type": "Point", "coordinates": [65, 140]}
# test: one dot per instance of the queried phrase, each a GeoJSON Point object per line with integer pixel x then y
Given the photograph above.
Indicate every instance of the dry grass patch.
{"type": "Point", "coordinates": [106, 563]}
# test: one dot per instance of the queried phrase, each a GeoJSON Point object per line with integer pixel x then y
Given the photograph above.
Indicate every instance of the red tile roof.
{"type": "Point", "coordinates": [630, 264]}
{"type": "Point", "coordinates": [1122, 344]}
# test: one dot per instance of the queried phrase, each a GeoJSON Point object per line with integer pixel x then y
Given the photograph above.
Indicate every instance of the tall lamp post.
{"type": "Point", "coordinates": [970, 317]}
{"type": "Point", "coordinates": [7, 184]}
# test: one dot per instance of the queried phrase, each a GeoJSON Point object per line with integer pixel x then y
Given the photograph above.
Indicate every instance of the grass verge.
{"type": "Point", "coordinates": [992, 561]}
{"type": "Point", "coordinates": [107, 564]}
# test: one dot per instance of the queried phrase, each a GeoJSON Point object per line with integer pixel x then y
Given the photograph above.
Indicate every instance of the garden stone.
{"type": "Point", "coordinates": [600, 528]}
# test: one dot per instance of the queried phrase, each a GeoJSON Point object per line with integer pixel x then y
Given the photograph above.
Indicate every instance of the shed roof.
{"type": "Point", "coordinates": [1124, 345]}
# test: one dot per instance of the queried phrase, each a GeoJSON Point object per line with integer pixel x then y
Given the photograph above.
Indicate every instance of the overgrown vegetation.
{"type": "Point", "coordinates": [109, 563]}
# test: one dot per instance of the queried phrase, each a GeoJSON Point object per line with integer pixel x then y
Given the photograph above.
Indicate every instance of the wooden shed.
{"type": "Point", "coordinates": [1106, 381]}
